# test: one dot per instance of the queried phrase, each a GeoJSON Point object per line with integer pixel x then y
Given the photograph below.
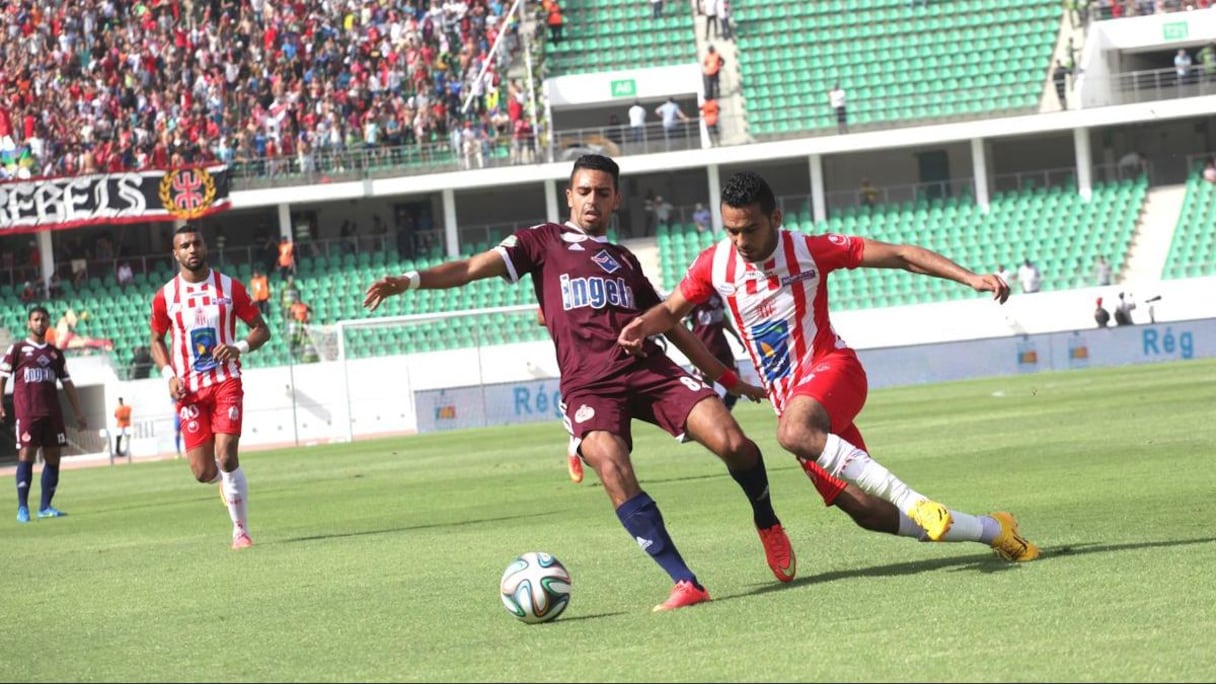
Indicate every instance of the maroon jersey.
{"type": "Point", "coordinates": [36, 370]}
{"type": "Point", "coordinates": [588, 289]}
{"type": "Point", "coordinates": [709, 325]}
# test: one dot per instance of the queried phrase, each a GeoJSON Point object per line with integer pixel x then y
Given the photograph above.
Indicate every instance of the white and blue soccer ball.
{"type": "Point", "coordinates": [535, 587]}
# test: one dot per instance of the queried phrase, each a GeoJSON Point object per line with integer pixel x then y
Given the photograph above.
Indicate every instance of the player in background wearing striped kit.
{"type": "Point", "coordinates": [774, 282]}
{"type": "Point", "coordinates": [200, 306]}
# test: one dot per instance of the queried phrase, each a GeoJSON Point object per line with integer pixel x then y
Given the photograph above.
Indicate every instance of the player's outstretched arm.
{"type": "Point", "coordinates": [878, 254]}
{"type": "Point", "coordinates": [661, 318]}
{"type": "Point", "coordinates": [702, 358]}
{"type": "Point", "coordinates": [444, 276]}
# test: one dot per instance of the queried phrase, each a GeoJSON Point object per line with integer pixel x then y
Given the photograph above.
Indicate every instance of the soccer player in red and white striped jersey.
{"type": "Point", "coordinates": [202, 362]}
{"type": "Point", "coordinates": [774, 282]}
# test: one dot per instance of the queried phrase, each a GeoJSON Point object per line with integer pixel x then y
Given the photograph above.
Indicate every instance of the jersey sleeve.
{"type": "Point", "coordinates": [833, 250]}
{"type": "Point", "coordinates": [160, 323]}
{"type": "Point", "coordinates": [242, 304]}
{"type": "Point", "coordinates": [8, 362]}
{"type": "Point", "coordinates": [61, 367]}
{"type": "Point", "coordinates": [697, 284]}
{"type": "Point", "coordinates": [524, 250]}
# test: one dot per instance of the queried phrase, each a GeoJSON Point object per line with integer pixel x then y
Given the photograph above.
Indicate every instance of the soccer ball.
{"type": "Point", "coordinates": [535, 587]}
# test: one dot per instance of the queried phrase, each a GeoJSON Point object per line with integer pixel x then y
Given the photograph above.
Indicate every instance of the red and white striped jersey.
{"type": "Point", "coordinates": [201, 317]}
{"type": "Point", "coordinates": [780, 306]}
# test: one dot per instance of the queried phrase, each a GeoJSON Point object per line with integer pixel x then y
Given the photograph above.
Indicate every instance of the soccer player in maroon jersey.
{"type": "Point", "coordinates": [774, 282]}
{"type": "Point", "coordinates": [708, 322]}
{"type": "Point", "coordinates": [200, 306]}
{"type": "Point", "coordinates": [588, 289]}
{"type": "Point", "coordinates": [37, 367]}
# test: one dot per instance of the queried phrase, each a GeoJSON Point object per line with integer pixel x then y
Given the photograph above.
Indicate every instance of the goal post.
{"type": "Point", "coordinates": [369, 365]}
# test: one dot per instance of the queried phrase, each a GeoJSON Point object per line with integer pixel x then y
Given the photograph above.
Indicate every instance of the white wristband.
{"type": "Point", "coordinates": [414, 280]}
{"type": "Point", "coordinates": [242, 347]}
{"type": "Point", "coordinates": [166, 372]}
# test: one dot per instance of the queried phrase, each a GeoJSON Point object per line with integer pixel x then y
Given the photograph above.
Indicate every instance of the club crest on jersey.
{"type": "Point", "coordinates": [44, 361]}
{"type": "Point", "coordinates": [200, 316]}
{"type": "Point", "coordinates": [772, 346]}
{"type": "Point", "coordinates": [202, 345]}
{"type": "Point", "coordinates": [605, 261]}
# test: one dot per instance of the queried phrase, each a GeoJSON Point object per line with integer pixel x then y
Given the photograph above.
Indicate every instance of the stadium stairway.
{"type": "Point", "coordinates": [1150, 244]}
{"type": "Point", "coordinates": [732, 124]}
{"type": "Point", "coordinates": [647, 252]}
{"type": "Point", "coordinates": [1049, 101]}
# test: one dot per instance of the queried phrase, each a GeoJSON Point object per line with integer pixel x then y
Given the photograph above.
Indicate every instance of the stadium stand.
{"type": "Point", "coordinates": [603, 35]}
{"type": "Point", "coordinates": [1193, 250]}
{"type": "Point", "coordinates": [896, 62]}
{"type": "Point", "coordinates": [1054, 227]}
{"type": "Point", "coordinates": [114, 86]}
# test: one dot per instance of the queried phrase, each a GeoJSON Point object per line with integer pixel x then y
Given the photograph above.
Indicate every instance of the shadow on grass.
{"type": "Point", "coordinates": [408, 528]}
{"type": "Point", "coordinates": [596, 616]}
{"type": "Point", "coordinates": [985, 564]}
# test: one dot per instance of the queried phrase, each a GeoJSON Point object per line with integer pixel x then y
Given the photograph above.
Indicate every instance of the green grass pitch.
{"type": "Point", "coordinates": [380, 560]}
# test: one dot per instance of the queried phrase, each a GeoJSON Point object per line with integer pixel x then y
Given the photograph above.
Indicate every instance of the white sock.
{"type": "Point", "coordinates": [966, 527]}
{"type": "Point", "coordinates": [236, 493]}
{"type": "Point", "coordinates": [844, 460]}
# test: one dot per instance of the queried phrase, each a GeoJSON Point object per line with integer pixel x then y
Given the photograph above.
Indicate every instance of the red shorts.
{"type": "Point", "coordinates": [838, 382]}
{"type": "Point", "coordinates": [210, 411]}
{"type": "Point", "coordinates": [41, 431]}
{"type": "Point", "coordinates": [656, 391]}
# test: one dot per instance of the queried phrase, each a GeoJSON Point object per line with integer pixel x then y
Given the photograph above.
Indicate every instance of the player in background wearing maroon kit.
{"type": "Point", "coordinates": [774, 282]}
{"type": "Point", "coordinates": [36, 367]}
{"type": "Point", "coordinates": [588, 289]}
{"type": "Point", "coordinates": [708, 322]}
{"type": "Point", "coordinates": [201, 306]}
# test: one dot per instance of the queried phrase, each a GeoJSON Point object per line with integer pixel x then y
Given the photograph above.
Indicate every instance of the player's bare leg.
{"type": "Point", "coordinates": [50, 482]}
{"type": "Point", "coordinates": [608, 455]}
{"type": "Point", "coordinates": [711, 424]}
{"type": "Point", "coordinates": [235, 487]}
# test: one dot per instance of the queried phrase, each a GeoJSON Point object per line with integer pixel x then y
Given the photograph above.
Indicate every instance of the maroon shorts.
{"type": "Point", "coordinates": [839, 384]}
{"type": "Point", "coordinates": [656, 391]}
{"type": "Point", "coordinates": [210, 411]}
{"type": "Point", "coordinates": [41, 431]}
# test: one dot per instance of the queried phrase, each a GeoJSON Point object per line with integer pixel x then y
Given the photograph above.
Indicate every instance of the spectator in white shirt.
{"type": "Point", "coordinates": [637, 122]}
{"type": "Point", "coordinates": [1029, 277]}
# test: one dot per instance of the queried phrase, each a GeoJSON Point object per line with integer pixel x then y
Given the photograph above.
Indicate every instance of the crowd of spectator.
{"type": "Point", "coordinates": [109, 85]}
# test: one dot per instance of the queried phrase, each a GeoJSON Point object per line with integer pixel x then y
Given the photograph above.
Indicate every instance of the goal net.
{"type": "Point", "coordinates": [430, 371]}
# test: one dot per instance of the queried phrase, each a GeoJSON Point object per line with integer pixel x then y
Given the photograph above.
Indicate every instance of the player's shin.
{"type": "Point", "coordinates": [964, 528]}
{"type": "Point", "coordinates": [641, 518]}
{"type": "Point", "coordinates": [754, 482]}
{"type": "Point", "coordinates": [25, 476]}
{"type": "Point", "coordinates": [846, 461]}
{"type": "Point", "coordinates": [50, 482]}
{"type": "Point", "coordinates": [236, 493]}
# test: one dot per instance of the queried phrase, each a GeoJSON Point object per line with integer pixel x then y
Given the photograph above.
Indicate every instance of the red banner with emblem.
{"type": "Point", "coordinates": [39, 204]}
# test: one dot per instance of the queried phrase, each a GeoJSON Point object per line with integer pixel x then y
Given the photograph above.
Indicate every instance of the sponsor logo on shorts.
{"type": "Point", "coordinates": [188, 412]}
{"type": "Point", "coordinates": [234, 413]}
{"type": "Point", "coordinates": [25, 437]}
{"type": "Point", "coordinates": [584, 414]}
{"type": "Point", "coordinates": [192, 426]}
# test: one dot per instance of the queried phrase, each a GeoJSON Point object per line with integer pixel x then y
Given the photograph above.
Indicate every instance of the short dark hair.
{"type": "Point", "coordinates": [598, 162]}
{"type": "Point", "coordinates": [746, 188]}
{"type": "Point", "coordinates": [37, 309]}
